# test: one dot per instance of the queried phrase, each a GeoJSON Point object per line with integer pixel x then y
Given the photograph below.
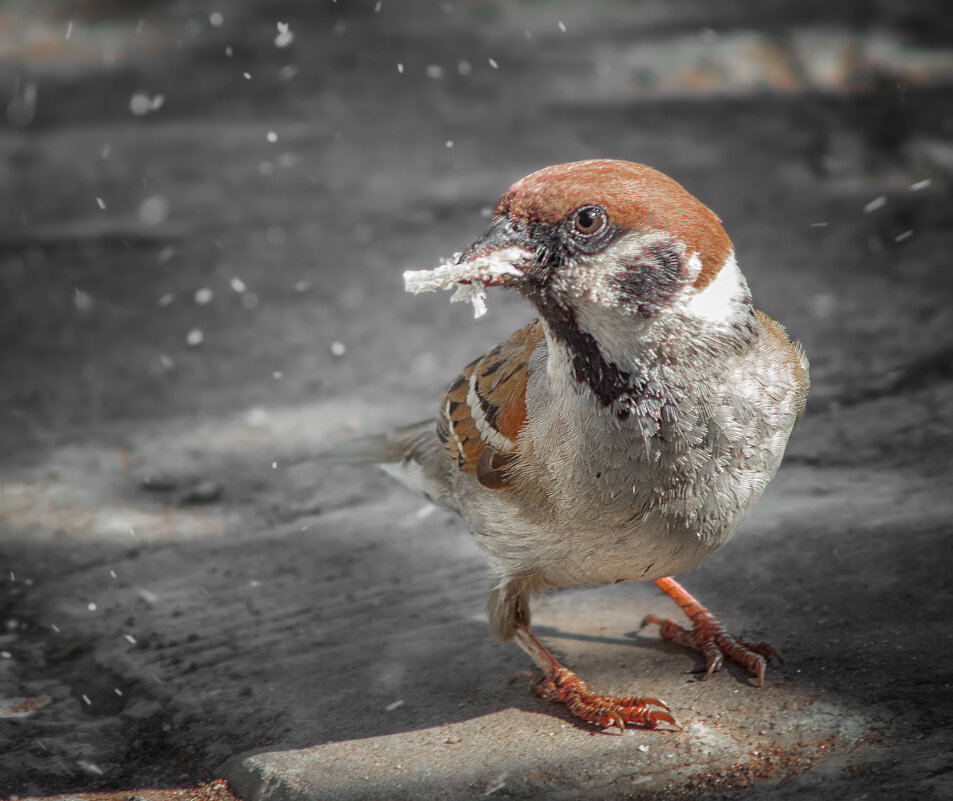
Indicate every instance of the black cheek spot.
{"type": "Point", "coordinates": [650, 279]}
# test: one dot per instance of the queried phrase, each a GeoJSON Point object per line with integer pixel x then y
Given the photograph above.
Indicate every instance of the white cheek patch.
{"type": "Point", "coordinates": [716, 303]}
{"type": "Point", "coordinates": [693, 268]}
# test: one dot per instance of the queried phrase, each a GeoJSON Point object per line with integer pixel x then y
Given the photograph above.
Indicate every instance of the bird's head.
{"type": "Point", "coordinates": [621, 253]}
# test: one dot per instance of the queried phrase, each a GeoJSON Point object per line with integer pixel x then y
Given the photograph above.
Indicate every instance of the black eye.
{"type": "Point", "coordinates": [590, 220]}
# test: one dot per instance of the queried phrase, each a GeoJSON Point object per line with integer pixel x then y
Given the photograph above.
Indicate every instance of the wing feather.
{"type": "Point", "coordinates": [484, 409]}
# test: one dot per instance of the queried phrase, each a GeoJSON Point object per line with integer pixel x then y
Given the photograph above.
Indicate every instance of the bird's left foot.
{"type": "Point", "coordinates": [708, 635]}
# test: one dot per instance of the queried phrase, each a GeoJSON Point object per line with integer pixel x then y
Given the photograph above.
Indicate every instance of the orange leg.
{"type": "Point", "coordinates": [563, 686]}
{"type": "Point", "coordinates": [708, 635]}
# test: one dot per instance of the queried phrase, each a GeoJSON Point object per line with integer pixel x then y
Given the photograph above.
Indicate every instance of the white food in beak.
{"type": "Point", "coordinates": [477, 271]}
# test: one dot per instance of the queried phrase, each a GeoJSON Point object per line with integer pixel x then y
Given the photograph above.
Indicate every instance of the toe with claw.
{"type": "Point", "coordinates": [708, 635]}
{"type": "Point", "coordinates": [567, 688]}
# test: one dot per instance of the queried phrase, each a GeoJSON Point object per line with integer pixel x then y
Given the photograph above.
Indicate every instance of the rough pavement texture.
{"type": "Point", "coordinates": [186, 596]}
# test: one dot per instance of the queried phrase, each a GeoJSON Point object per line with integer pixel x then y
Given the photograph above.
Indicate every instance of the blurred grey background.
{"type": "Point", "coordinates": [206, 211]}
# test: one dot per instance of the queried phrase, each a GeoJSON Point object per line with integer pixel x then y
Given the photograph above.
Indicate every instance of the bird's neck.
{"type": "Point", "coordinates": [619, 357]}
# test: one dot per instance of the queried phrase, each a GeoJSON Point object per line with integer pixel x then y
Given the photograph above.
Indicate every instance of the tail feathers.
{"type": "Point", "coordinates": [412, 454]}
{"type": "Point", "coordinates": [405, 444]}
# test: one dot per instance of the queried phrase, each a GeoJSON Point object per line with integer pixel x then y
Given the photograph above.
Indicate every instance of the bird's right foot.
{"type": "Point", "coordinates": [565, 687]}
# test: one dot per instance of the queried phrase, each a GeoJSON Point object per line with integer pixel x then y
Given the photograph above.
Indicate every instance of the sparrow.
{"type": "Point", "coordinates": [624, 432]}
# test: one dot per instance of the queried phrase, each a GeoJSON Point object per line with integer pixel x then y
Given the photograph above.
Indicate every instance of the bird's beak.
{"type": "Point", "coordinates": [503, 256]}
{"type": "Point", "coordinates": [510, 249]}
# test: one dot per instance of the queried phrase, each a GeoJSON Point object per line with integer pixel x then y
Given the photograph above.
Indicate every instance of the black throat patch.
{"type": "Point", "coordinates": [607, 381]}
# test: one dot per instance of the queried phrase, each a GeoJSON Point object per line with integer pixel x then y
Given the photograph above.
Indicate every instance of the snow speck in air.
{"type": "Point", "coordinates": [876, 203]}
{"type": "Point", "coordinates": [400, 68]}
{"type": "Point", "coordinates": [920, 185]}
{"type": "Point", "coordinates": [237, 285]}
{"type": "Point", "coordinates": [228, 51]}
{"type": "Point", "coordinates": [117, 691]}
{"type": "Point", "coordinates": [271, 136]}
{"type": "Point", "coordinates": [141, 104]}
{"type": "Point", "coordinates": [492, 62]}
{"type": "Point", "coordinates": [101, 203]}
{"type": "Point", "coordinates": [449, 143]}
{"type": "Point", "coordinates": [55, 628]}
{"type": "Point", "coordinates": [89, 767]}
{"type": "Point", "coordinates": [464, 67]}
{"type": "Point", "coordinates": [69, 29]}
{"type": "Point", "coordinates": [203, 296]}
{"type": "Point", "coordinates": [394, 705]}
{"type": "Point", "coordinates": [258, 416]}
{"type": "Point", "coordinates": [434, 71]}
{"type": "Point", "coordinates": [824, 305]}
{"type": "Point", "coordinates": [6, 655]}
{"type": "Point", "coordinates": [302, 286]}
{"type": "Point", "coordinates": [338, 349]}
{"type": "Point", "coordinates": [83, 301]}
{"type": "Point", "coordinates": [130, 639]}
{"type": "Point", "coordinates": [247, 76]}
{"type": "Point", "coordinates": [86, 699]}
{"type": "Point", "coordinates": [277, 375]}
{"type": "Point", "coordinates": [91, 606]}
{"type": "Point", "coordinates": [378, 6]}
{"type": "Point", "coordinates": [195, 337]}
{"type": "Point", "coordinates": [425, 511]}
{"type": "Point", "coordinates": [819, 225]}
{"type": "Point", "coordinates": [148, 596]}
{"type": "Point", "coordinates": [112, 573]}
{"type": "Point", "coordinates": [904, 236]}
{"type": "Point", "coordinates": [216, 19]}
{"type": "Point", "coordinates": [166, 362]}
{"type": "Point", "coordinates": [562, 26]}
{"type": "Point", "coordinates": [166, 299]}
{"type": "Point", "coordinates": [104, 154]}
{"type": "Point", "coordinates": [154, 210]}
{"type": "Point", "coordinates": [285, 37]}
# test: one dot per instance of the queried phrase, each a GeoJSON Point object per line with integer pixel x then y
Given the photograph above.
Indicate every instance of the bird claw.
{"type": "Point", "coordinates": [708, 635]}
{"type": "Point", "coordinates": [565, 687]}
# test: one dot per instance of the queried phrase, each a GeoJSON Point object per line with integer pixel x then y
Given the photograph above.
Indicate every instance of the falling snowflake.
{"type": "Point", "coordinates": [285, 37]}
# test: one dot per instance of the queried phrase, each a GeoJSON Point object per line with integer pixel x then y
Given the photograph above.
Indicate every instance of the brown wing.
{"type": "Point", "coordinates": [787, 353]}
{"type": "Point", "coordinates": [485, 408]}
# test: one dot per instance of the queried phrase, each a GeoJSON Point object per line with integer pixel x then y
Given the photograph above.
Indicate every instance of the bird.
{"type": "Point", "coordinates": [625, 431]}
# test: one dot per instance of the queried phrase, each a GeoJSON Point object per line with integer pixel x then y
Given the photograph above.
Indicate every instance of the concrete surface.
{"type": "Point", "coordinates": [185, 595]}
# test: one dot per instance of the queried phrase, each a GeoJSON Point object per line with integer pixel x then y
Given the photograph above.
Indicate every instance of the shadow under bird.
{"type": "Point", "coordinates": [623, 433]}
